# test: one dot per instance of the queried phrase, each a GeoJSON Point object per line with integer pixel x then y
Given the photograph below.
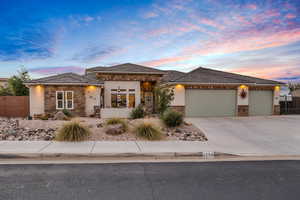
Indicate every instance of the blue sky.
{"type": "Point", "coordinates": [258, 38]}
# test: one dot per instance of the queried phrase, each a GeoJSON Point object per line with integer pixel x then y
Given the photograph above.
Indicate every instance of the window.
{"type": "Point", "coordinates": [64, 100]}
{"type": "Point", "coordinates": [131, 98]}
{"type": "Point", "coordinates": [69, 99]}
{"type": "Point", "coordinates": [59, 100]}
{"type": "Point", "coordinates": [118, 98]}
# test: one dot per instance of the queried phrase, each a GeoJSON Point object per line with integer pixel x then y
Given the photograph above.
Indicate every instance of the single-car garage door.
{"type": "Point", "coordinates": [210, 103]}
{"type": "Point", "coordinates": [260, 102]}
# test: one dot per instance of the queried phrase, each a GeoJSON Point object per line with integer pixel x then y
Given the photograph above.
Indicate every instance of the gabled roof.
{"type": "Point", "coordinates": [127, 68]}
{"type": "Point", "coordinates": [203, 75]}
{"type": "Point", "coordinates": [172, 75]}
{"type": "Point", "coordinates": [66, 79]}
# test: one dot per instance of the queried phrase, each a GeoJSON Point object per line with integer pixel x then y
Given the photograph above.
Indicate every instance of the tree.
{"type": "Point", "coordinates": [5, 91]}
{"type": "Point", "coordinates": [16, 83]}
{"type": "Point", "coordinates": [164, 97]}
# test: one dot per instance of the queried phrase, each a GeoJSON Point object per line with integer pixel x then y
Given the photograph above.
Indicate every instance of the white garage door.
{"type": "Point", "coordinates": [210, 103]}
{"type": "Point", "coordinates": [260, 102]}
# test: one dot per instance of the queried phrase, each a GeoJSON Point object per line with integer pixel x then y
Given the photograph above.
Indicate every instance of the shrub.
{"type": "Point", "coordinates": [67, 112]}
{"type": "Point", "coordinates": [164, 97]}
{"type": "Point", "coordinates": [116, 120]}
{"type": "Point", "coordinates": [137, 112]}
{"type": "Point", "coordinates": [172, 118]}
{"type": "Point", "coordinates": [72, 132]}
{"type": "Point", "coordinates": [148, 131]}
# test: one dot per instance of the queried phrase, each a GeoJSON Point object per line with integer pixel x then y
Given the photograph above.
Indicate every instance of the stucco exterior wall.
{"type": "Point", "coordinates": [115, 112]}
{"type": "Point", "coordinates": [108, 85]}
{"type": "Point", "coordinates": [36, 100]}
{"type": "Point", "coordinates": [179, 96]}
{"type": "Point", "coordinates": [276, 100]}
{"type": "Point", "coordinates": [92, 98]}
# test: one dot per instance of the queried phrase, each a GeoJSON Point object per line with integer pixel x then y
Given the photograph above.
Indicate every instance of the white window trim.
{"type": "Point", "coordinates": [63, 100]}
{"type": "Point", "coordinates": [66, 100]}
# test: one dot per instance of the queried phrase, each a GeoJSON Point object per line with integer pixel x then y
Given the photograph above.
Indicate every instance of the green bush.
{"type": "Point", "coordinates": [72, 132]}
{"type": "Point", "coordinates": [137, 112]}
{"type": "Point", "coordinates": [67, 113]}
{"type": "Point", "coordinates": [116, 120]}
{"type": "Point", "coordinates": [148, 131]}
{"type": "Point", "coordinates": [172, 118]}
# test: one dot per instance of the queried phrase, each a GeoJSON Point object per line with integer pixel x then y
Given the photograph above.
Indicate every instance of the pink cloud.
{"type": "Point", "coordinates": [290, 16]}
{"type": "Point", "coordinates": [251, 6]}
{"type": "Point", "coordinates": [274, 72]}
{"type": "Point", "coordinates": [56, 70]}
{"type": "Point", "coordinates": [212, 23]}
{"type": "Point", "coordinates": [150, 15]}
{"type": "Point", "coordinates": [254, 40]}
{"type": "Point", "coordinates": [162, 61]}
{"type": "Point", "coordinates": [259, 18]}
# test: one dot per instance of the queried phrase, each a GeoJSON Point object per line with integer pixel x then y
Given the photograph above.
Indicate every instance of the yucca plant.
{"type": "Point", "coordinates": [72, 132]}
{"type": "Point", "coordinates": [148, 130]}
{"type": "Point", "coordinates": [116, 120]}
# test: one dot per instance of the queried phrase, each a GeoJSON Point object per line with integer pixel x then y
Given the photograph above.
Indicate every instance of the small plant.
{"type": "Point", "coordinates": [67, 113]}
{"type": "Point", "coordinates": [73, 132]}
{"type": "Point", "coordinates": [115, 120]}
{"type": "Point", "coordinates": [172, 118]}
{"type": "Point", "coordinates": [148, 131]}
{"type": "Point", "coordinates": [137, 112]}
{"type": "Point", "coordinates": [44, 117]}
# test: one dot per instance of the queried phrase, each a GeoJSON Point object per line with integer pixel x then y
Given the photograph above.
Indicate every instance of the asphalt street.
{"type": "Point", "coordinates": [160, 181]}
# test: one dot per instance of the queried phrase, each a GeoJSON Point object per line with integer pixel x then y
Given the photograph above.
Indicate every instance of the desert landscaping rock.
{"type": "Point", "coordinates": [20, 129]}
{"type": "Point", "coordinates": [60, 116]}
{"type": "Point", "coordinates": [10, 130]}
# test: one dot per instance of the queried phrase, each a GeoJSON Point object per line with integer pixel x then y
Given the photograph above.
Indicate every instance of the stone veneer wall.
{"type": "Point", "coordinates": [276, 110]}
{"type": "Point", "coordinates": [79, 99]}
{"type": "Point", "coordinates": [180, 109]}
{"type": "Point", "coordinates": [243, 110]}
{"type": "Point", "coordinates": [129, 77]}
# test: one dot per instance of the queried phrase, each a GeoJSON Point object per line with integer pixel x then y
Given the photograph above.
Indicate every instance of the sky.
{"type": "Point", "coordinates": [257, 38]}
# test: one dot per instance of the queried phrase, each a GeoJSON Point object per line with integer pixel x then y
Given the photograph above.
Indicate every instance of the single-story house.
{"type": "Point", "coordinates": [116, 90]}
{"type": "Point", "coordinates": [4, 82]}
{"type": "Point", "coordinates": [296, 92]}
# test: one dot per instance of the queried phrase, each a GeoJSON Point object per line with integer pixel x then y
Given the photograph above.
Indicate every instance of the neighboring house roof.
{"type": "Point", "coordinates": [172, 75]}
{"type": "Point", "coordinates": [67, 79]}
{"type": "Point", "coordinates": [3, 79]}
{"type": "Point", "coordinates": [203, 75]}
{"type": "Point", "coordinates": [296, 93]}
{"type": "Point", "coordinates": [127, 68]}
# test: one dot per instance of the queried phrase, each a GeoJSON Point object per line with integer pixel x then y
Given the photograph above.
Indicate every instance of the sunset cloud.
{"type": "Point", "coordinates": [56, 70]}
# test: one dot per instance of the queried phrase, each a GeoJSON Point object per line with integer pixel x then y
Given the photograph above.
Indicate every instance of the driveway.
{"type": "Point", "coordinates": [271, 135]}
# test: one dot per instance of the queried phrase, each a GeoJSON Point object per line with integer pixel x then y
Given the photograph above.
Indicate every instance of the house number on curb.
{"type": "Point", "coordinates": [208, 155]}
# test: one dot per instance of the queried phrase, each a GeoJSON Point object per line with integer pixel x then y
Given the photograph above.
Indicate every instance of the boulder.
{"type": "Point", "coordinates": [60, 116]}
{"type": "Point", "coordinates": [115, 129]}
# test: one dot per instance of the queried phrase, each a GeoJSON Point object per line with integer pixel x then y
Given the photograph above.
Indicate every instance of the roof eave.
{"type": "Point", "coordinates": [122, 72]}
{"type": "Point", "coordinates": [79, 84]}
{"type": "Point", "coordinates": [197, 83]}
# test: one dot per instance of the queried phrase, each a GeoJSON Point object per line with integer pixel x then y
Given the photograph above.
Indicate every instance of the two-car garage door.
{"type": "Point", "coordinates": [223, 103]}
{"type": "Point", "coordinates": [210, 103]}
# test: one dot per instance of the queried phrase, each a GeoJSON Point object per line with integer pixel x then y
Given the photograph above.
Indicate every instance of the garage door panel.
{"type": "Point", "coordinates": [260, 102]}
{"type": "Point", "coordinates": [210, 103]}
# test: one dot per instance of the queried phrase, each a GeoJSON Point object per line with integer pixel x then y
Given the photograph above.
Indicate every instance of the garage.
{"type": "Point", "coordinates": [260, 102]}
{"type": "Point", "coordinates": [210, 103]}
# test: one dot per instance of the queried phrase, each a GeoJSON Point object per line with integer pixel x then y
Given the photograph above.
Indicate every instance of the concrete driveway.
{"type": "Point", "coordinates": [272, 135]}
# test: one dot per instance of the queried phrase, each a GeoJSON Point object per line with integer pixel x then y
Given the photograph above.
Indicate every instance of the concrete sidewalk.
{"type": "Point", "coordinates": [15, 149]}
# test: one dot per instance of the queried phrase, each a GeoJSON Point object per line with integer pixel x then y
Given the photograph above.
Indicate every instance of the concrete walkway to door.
{"type": "Point", "coordinates": [271, 135]}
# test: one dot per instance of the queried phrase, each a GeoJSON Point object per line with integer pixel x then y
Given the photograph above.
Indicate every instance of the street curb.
{"type": "Point", "coordinates": [156, 155]}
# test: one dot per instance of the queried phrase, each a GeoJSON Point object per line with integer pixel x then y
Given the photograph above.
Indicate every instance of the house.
{"type": "Point", "coordinates": [296, 92]}
{"type": "Point", "coordinates": [4, 82]}
{"type": "Point", "coordinates": [117, 89]}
